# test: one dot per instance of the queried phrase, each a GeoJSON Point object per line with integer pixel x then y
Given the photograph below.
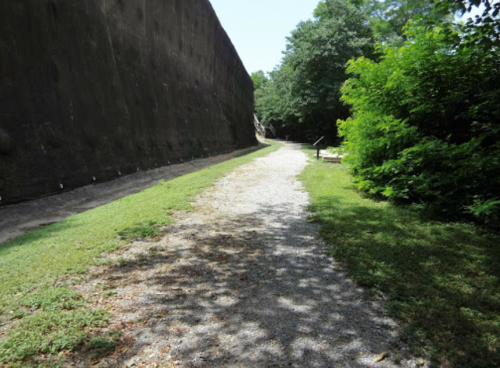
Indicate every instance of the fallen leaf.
{"type": "Point", "coordinates": [382, 356]}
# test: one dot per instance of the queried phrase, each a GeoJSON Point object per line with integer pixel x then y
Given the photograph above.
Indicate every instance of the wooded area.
{"type": "Point", "coordinates": [408, 90]}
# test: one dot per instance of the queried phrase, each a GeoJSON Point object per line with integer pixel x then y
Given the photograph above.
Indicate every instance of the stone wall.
{"type": "Point", "coordinates": [94, 89]}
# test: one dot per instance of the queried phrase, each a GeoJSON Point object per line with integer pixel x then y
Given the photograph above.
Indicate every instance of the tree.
{"type": "Point", "coordinates": [304, 93]}
{"type": "Point", "coordinates": [259, 80]}
{"type": "Point", "coordinates": [484, 29]}
{"type": "Point", "coordinates": [388, 17]}
{"type": "Point", "coordinates": [274, 102]}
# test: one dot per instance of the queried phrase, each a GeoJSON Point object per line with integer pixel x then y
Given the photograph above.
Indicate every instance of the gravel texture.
{"type": "Point", "coordinates": [243, 282]}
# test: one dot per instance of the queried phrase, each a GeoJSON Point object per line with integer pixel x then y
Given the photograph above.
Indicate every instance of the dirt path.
{"type": "Point", "coordinates": [242, 282]}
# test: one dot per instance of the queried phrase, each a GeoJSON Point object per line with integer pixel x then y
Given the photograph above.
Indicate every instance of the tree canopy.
{"type": "Point", "coordinates": [416, 94]}
{"type": "Point", "coordinates": [303, 94]}
{"type": "Point", "coordinates": [259, 80]}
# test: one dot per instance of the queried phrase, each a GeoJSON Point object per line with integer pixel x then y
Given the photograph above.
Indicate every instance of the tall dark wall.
{"type": "Point", "coordinates": [94, 88]}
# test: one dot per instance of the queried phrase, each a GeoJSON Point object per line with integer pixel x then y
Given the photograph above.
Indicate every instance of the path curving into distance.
{"type": "Point", "coordinates": [243, 282]}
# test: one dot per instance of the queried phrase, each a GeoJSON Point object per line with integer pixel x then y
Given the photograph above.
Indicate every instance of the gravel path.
{"type": "Point", "coordinates": [243, 282]}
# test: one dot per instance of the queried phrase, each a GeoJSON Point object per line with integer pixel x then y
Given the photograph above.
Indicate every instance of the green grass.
{"type": "Point", "coordinates": [48, 321]}
{"type": "Point", "coordinates": [41, 318]}
{"type": "Point", "coordinates": [335, 150]}
{"type": "Point", "coordinates": [442, 279]}
{"type": "Point", "coordinates": [100, 346]}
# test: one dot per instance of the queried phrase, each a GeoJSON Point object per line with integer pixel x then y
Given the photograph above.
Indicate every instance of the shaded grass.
{"type": "Point", "coordinates": [48, 319]}
{"type": "Point", "coordinates": [100, 346]}
{"type": "Point", "coordinates": [441, 279]}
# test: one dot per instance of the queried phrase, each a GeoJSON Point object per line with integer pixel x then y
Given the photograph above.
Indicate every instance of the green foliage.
{"type": "Point", "coordinates": [52, 299]}
{"type": "Point", "coordinates": [484, 30]}
{"type": "Point", "coordinates": [58, 323]}
{"type": "Point", "coordinates": [425, 125]}
{"type": "Point", "coordinates": [303, 94]}
{"type": "Point", "coordinates": [388, 17]}
{"type": "Point", "coordinates": [317, 52]}
{"type": "Point", "coordinates": [49, 333]}
{"type": "Point", "coordinates": [259, 80]}
{"type": "Point", "coordinates": [100, 346]}
{"type": "Point", "coordinates": [274, 102]}
{"type": "Point", "coordinates": [441, 280]}
{"type": "Point", "coordinates": [145, 229]}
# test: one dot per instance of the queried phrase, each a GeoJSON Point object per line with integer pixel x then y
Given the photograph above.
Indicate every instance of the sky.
{"type": "Point", "coordinates": [258, 28]}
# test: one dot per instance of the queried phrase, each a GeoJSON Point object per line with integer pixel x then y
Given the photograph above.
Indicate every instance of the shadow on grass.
{"type": "Point", "coordinates": [441, 279]}
{"type": "Point", "coordinates": [246, 292]}
{"type": "Point", "coordinates": [41, 257]}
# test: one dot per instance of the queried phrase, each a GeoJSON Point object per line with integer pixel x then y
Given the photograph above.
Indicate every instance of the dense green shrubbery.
{"type": "Point", "coordinates": [426, 123]}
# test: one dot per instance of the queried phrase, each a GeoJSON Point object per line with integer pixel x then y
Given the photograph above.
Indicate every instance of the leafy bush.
{"type": "Point", "coordinates": [426, 123]}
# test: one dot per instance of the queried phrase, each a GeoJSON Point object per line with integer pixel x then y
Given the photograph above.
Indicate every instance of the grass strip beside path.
{"type": "Point", "coordinates": [31, 263]}
{"type": "Point", "coordinates": [72, 244]}
{"type": "Point", "coordinates": [442, 280]}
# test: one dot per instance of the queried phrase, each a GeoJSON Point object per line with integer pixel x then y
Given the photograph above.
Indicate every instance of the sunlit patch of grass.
{"type": "Point", "coordinates": [51, 299]}
{"type": "Point", "coordinates": [70, 245]}
{"type": "Point", "coordinates": [442, 279]}
{"type": "Point", "coordinates": [145, 229]}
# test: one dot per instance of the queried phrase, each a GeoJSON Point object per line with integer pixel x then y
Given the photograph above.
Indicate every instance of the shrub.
{"type": "Point", "coordinates": [426, 123]}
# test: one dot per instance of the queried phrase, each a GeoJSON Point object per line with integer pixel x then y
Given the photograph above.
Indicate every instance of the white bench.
{"type": "Point", "coordinates": [331, 157]}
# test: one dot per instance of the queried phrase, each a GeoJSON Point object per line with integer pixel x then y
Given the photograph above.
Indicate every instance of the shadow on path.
{"type": "Point", "coordinates": [249, 285]}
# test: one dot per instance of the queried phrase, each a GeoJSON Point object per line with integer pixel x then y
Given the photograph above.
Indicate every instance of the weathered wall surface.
{"type": "Point", "coordinates": [99, 88]}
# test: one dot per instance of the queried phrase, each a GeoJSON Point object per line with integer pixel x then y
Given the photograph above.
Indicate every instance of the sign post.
{"type": "Point", "coordinates": [317, 153]}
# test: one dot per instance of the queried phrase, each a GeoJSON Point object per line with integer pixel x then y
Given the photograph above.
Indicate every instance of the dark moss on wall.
{"type": "Point", "coordinates": [94, 89]}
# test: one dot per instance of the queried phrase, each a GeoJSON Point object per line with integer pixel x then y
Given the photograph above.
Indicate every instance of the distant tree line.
{"type": "Point", "coordinates": [413, 96]}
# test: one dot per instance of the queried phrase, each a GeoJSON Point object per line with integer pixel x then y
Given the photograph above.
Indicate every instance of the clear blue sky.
{"type": "Point", "coordinates": [258, 28]}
